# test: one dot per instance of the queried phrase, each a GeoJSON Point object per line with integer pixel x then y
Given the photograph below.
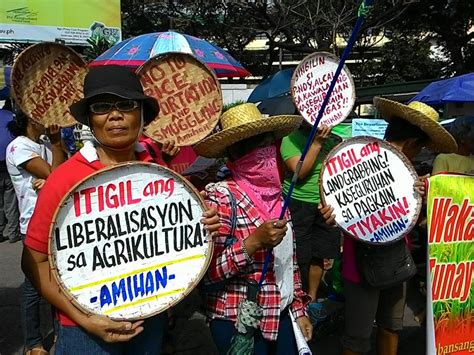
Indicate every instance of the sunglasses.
{"type": "Point", "coordinates": [101, 108]}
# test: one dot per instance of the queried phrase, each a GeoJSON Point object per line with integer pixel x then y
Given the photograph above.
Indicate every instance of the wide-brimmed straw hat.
{"type": "Point", "coordinates": [242, 122]}
{"type": "Point", "coordinates": [118, 81]}
{"type": "Point", "coordinates": [421, 115]}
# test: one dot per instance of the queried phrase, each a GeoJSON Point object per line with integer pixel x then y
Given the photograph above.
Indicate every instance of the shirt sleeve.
{"type": "Point", "coordinates": [228, 259]}
{"type": "Point", "coordinates": [289, 147]}
{"type": "Point", "coordinates": [22, 151]}
{"type": "Point", "coordinates": [440, 164]}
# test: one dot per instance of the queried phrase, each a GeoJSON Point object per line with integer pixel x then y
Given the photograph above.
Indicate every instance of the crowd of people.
{"type": "Point", "coordinates": [261, 154]}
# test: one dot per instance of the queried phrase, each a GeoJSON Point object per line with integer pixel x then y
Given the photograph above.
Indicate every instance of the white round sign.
{"type": "Point", "coordinates": [127, 242]}
{"type": "Point", "coordinates": [370, 185]}
{"type": "Point", "coordinates": [310, 84]}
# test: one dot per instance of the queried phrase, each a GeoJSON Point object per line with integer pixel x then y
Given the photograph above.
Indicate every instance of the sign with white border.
{"type": "Point", "coordinates": [310, 84]}
{"type": "Point", "coordinates": [127, 242]}
{"type": "Point", "coordinates": [370, 185]}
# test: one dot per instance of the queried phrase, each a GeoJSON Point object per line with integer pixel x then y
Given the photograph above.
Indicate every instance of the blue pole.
{"type": "Point", "coordinates": [355, 32]}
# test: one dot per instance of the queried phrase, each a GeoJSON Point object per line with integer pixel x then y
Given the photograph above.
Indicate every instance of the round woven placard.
{"type": "Point", "coordinates": [127, 242]}
{"type": "Point", "coordinates": [310, 84]}
{"type": "Point", "coordinates": [46, 79]}
{"type": "Point", "coordinates": [370, 185]}
{"type": "Point", "coordinates": [189, 95]}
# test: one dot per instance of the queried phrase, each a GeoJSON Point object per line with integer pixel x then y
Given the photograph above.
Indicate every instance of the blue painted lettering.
{"type": "Point", "coordinates": [119, 291]}
{"type": "Point", "coordinates": [105, 298]}
{"type": "Point", "coordinates": [150, 283]}
{"type": "Point", "coordinates": [140, 285]}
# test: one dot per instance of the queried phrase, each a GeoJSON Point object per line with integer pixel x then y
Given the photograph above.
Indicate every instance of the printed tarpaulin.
{"type": "Point", "coordinates": [450, 316]}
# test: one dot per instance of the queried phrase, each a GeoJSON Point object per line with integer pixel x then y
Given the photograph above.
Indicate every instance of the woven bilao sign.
{"type": "Point", "coordinates": [128, 242]}
{"type": "Point", "coordinates": [310, 83]}
{"type": "Point", "coordinates": [46, 79]}
{"type": "Point", "coordinates": [189, 95]}
{"type": "Point", "coordinates": [370, 185]}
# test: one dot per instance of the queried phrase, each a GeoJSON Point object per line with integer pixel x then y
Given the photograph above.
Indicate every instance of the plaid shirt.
{"type": "Point", "coordinates": [229, 263]}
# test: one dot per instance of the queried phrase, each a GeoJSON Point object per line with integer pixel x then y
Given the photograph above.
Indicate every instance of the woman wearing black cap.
{"type": "Point", "coordinates": [115, 109]}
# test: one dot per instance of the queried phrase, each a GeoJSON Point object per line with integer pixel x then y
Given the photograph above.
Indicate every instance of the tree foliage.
{"type": "Point", "coordinates": [98, 44]}
{"type": "Point", "coordinates": [449, 24]}
{"type": "Point", "coordinates": [421, 38]}
{"type": "Point", "coordinates": [404, 59]}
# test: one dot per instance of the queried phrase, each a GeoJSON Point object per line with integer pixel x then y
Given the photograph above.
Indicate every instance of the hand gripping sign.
{"type": "Point", "coordinates": [189, 95]}
{"type": "Point", "coordinates": [370, 185]}
{"type": "Point", "coordinates": [127, 242]}
{"type": "Point", "coordinates": [46, 79]}
{"type": "Point", "coordinates": [310, 83]}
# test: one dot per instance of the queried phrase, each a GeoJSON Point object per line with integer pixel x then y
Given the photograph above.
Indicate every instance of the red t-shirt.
{"type": "Point", "coordinates": [58, 184]}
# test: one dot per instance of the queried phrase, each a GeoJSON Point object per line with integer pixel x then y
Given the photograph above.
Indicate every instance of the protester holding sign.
{"type": "Point", "coordinates": [31, 159]}
{"type": "Point", "coordinates": [410, 128]}
{"type": "Point", "coordinates": [249, 203]}
{"type": "Point", "coordinates": [315, 241]}
{"type": "Point", "coordinates": [116, 109]}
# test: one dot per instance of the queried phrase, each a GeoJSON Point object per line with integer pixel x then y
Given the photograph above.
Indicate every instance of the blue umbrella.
{"type": "Point", "coordinates": [275, 85]}
{"type": "Point", "coordinates": [5, 73]}
{"type": "Point", "coordinates": [456, 89]}
{"type": "Point", "coordinates": [280, 105]}
{"type": "Point", "coordinates": [135, 51]}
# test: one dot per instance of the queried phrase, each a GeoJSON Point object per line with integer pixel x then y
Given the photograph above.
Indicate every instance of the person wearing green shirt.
{"type": "Point", "coordinates": [315, 241]}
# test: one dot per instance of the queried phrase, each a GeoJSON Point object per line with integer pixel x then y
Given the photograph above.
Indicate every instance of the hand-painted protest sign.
{"type": "Point", "coordinates": [369, 127]}
{"type": "Point", "coordinates": [451, 263]}
{"type": "Point", "coordinates": [310, 83]}
{"type": "Point", "coordinates": [46, 79]}
{"type": "Point", "coordinates": [128, 242]}
{"type": "Point", "coordinates": [189, 95]}
{"type": "Point", "coordinates": [370, 185]}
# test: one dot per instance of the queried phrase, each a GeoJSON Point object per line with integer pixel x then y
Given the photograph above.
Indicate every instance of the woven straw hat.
{"type": "Point", "coordinates": [242, 122]}
{"type": "Point", "coordinates": [422, 116]}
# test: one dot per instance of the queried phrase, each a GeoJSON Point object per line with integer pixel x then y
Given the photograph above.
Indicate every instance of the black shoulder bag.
{"type": "Point", "coordinates": [385, 266]}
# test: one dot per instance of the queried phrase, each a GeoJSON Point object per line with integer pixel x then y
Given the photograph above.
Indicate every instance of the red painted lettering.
{"type": "Point", "coordinates": [77, 204]}
{"type": "Point", "coordinates": [178, 81]}
{"type": "Point", "coordinates": [111, 200]}
{"type": "Point", "coordinates": [87, 198]}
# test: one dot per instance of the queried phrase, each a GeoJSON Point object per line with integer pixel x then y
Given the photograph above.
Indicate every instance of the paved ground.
{"type": "Point", "coordinates": [192, 339]}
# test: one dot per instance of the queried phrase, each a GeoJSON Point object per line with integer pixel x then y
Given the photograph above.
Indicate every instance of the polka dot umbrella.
{"type": "Point", "coordinates": [135, 51]}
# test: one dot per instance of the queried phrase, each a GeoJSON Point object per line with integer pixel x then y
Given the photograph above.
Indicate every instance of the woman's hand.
{"type": "Point", "coordinates": [321, 135]}
{"type": "Point", "coordinates": [211, 221]}
{"type": "Point", "coordinates": [328, 214]}
{"type": "Point", "coordinates": [169, 150]}
{"type": "Point", "coordinates": [420, 185]}
{"type": "Point", "coordinates": [38, 184]}
{"type": "Point", "coordinates": [53, 132]}
{"type": "Point", "coordinates": [111, 331]}
{"type": "Point", "coordinates": [306, 327]}
{"type": "Point", "coordinates": [268, 234]}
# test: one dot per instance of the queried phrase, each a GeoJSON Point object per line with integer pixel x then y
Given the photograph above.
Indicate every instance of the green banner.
{"type": "Point", "coordinates": [451, 263]}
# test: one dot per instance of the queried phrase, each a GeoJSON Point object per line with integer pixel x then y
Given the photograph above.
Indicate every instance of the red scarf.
{"type": "Point", "coordinates": [256, 173]}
